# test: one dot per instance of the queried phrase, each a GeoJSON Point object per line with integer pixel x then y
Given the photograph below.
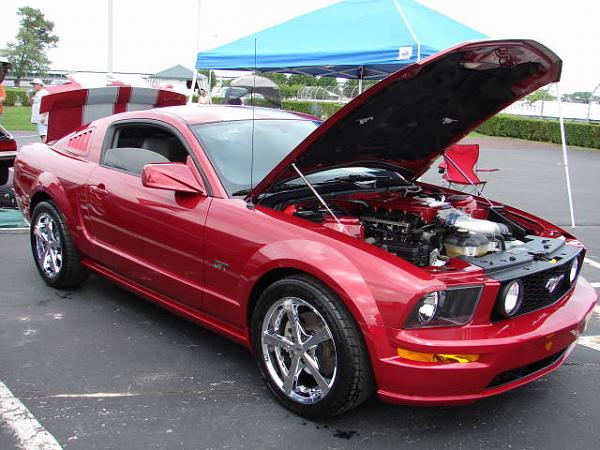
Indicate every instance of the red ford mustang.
{"type": "Point", "coordinates": [315, 245]}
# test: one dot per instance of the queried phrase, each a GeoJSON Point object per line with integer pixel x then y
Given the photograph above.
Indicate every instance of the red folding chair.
{"type": "Point", "coordinates": [459, 167]}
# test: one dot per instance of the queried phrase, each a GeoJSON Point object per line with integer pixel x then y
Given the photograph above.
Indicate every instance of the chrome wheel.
{"type": "Point", "coordinates": [298, 350]}
{"type": "Point", "coordinates": [48, 245]}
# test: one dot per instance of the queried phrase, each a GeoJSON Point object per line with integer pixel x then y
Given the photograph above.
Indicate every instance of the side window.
{"type": "Point", "coordinates": [134, 146]}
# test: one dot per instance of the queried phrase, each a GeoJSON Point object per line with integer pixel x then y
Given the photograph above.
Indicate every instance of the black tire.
{"type": "Point", "coordinates": [70, 272]}
{"type": "Point", "coordinates": [353, 380]}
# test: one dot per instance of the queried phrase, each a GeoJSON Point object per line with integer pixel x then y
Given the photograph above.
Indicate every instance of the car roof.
{"type": "Point", "coordinates": [197, 114]}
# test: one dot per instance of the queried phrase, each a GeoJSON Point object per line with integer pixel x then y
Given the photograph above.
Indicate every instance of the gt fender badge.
{"type": "Point", "coordinates": [220, 265]}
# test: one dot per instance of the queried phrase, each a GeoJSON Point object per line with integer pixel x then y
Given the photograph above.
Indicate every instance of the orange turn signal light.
{"type": "Point", "coordinates": [444, 358]}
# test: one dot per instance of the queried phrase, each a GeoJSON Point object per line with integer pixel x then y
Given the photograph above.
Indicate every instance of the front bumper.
{"type": "Point", "coordinates": [512, 353]}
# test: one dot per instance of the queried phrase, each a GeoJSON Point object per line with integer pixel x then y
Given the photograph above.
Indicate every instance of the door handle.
{"type": "Point", "coordinates": [99, 190]}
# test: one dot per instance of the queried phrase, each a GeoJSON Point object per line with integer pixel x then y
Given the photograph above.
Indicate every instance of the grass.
{"type": "Point", "coordinates": [17, 118]}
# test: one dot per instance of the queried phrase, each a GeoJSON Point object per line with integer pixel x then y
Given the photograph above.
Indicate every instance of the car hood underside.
{"type": "Point", "coordinates": [411, 117]}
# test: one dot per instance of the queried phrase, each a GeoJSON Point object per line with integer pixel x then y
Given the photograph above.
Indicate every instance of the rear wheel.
{"type": "Point", "coordinates": [55, 256]}
{"type": "Point", "coordinates": [309, 349]}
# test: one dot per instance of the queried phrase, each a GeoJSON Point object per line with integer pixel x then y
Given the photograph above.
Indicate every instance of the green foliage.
{"type": "Point", "coordinates": [279, 78]}
{"type": "Point", "coordinates": [540, 94]}
{"type": "Point", "coordinates": [213, 77]}
{"type": "Point", "coordinates": [12, 94]}
{"type": "Point", "coordinates": [581, 97]}
{"type": "Point", "coordinates": [28, 52]}
{"type": "Point", "coordinates": [17, 118]}
{"type": "Point", "coordinates": [290, 85]}
{"type": "Point", "coordinates": [578, 133]}
{"type": "Point", "coordinates": [323, 110]}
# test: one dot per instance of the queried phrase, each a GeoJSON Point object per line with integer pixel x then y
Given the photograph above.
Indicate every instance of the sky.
{"type": "Point", "coordinates": [152, 35]}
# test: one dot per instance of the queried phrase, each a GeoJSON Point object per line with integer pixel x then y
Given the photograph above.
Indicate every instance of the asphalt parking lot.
{"type": "Point", "coordinates": [100, 368]}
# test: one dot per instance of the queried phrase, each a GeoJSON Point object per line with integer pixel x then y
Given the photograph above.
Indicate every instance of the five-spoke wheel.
{"type": "Point", "coordinates": [299, 349]}
{"type": "Point", "coordinates": [53, 250]}
{"type": "Point", "coordinates": [48, 245]}
{"type": "Point", "coordinates": [309, 348]}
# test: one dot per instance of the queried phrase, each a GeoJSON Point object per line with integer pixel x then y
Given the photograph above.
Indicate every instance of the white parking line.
{"type": "Point", "coordinates": [592, 263]}
{"type": "Point", "coordinates": [590, 341]}
{"type": "Point", "coordinates": [595, 285]}
{"type": "Point", "coordinates": [30, 434]}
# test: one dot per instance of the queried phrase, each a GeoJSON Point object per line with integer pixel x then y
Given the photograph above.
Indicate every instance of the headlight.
{"type": "Point", "coordinates": [452, 307]}
{"type": "Point", "coordinates": [574, 270]}
{"type": "Point", "coordinates": [510, 298]}
{"type": "Point", "coordinates": [429, 306]}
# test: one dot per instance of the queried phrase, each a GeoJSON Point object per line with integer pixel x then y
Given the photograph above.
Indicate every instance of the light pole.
{"type": "Point", "coordinates": [109, 43]}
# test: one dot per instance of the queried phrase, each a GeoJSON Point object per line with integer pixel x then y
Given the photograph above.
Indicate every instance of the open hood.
{"type": "Point", "coordinates": [411, 117]}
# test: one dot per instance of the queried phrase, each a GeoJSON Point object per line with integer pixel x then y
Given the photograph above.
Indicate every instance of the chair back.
{"type": "Point", "coordinates": [465, 156]}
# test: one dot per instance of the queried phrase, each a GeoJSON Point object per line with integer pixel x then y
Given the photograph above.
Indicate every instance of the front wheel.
{"type": "Point", "coordinates": [309, 349]}
{"type": "Point", "coordinates": [54, 253]}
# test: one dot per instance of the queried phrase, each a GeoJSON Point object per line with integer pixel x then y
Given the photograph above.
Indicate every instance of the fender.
{"type": "Point", "coordinates": [374, 284]}
{"type": "Point", "coordinates": [311, 257]}
{"type": "Point", "coordinates": [50, 185]}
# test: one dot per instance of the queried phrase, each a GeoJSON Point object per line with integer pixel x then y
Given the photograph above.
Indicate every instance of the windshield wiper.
{"type": "Point", "coordinates": [242, 192]}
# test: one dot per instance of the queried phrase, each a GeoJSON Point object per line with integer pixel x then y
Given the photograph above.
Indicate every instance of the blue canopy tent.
{"type": "Point", "coordinates": [365, 39]}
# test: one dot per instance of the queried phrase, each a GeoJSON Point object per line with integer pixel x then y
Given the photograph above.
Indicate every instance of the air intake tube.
{"type": "Point", "coordinates": [463, 221]}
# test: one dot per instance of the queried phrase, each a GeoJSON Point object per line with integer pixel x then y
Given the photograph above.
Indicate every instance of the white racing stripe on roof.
{"type": "Point", "coordinates": [30, 434]}
{"type": "Point", "coordinates": [145, 96]}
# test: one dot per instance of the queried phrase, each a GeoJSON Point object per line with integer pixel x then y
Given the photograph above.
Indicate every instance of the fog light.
{"type": "Point", "coordinates": [510, 298]}
{"type": "Point", "coordinates": [445, 358]}
{"type": "Point", "coordinates": [574, 270]}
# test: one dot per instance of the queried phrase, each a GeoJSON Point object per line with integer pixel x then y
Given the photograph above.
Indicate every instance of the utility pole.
{"type": "Point", "coordinates": [109, 49]}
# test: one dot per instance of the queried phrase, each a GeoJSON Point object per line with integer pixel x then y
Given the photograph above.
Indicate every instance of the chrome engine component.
{"type": "Point", "coordinates": [462, 221]}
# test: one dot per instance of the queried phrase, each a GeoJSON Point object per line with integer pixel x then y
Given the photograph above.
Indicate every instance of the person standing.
{"type": "Point", "coordinates": [41, 120]}
{"type": "Point", "coordinates": [203, 98]}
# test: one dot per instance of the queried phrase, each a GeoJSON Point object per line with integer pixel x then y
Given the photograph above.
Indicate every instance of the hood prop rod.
{"type": "Point", "coordinates": [314, 191]}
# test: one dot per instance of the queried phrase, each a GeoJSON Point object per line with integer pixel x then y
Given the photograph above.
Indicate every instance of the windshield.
{"type": "Point", "coordinates": [228, 145]}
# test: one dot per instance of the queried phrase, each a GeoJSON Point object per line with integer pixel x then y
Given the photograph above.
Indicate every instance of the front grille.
{"type": "Point", "coordinates": [521, 372]}
{"type": "Point", "coordinates": [536, 293]}
{"type": "Point", "coordinates": [537, 289]}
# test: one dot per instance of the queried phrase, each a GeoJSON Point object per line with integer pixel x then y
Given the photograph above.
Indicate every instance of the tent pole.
{"type": "Point", "coordinates": [361, 74]}
{"type": "Point", "coordinates": [195, 77]}
{"type": "Point", "coordinates": [563, 137]}
{"type": "Point", "coordinates": [409, 28]}
{"type": "Point", "coordinates": [193, 86]}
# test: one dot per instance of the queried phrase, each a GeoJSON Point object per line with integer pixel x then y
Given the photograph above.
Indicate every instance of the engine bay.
{"type": "Point", "coordinates": [425, 228]}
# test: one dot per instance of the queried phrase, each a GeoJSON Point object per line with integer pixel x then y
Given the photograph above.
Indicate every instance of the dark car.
{"type": "Point", "coordinates": [8, 152]}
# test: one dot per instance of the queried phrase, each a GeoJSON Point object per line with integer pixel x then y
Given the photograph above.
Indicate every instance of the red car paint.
{"type": "Point", "coordinates": [207, 257]}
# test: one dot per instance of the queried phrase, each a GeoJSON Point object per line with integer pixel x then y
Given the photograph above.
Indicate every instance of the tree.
{"type": "Point", "coordinates": [210, 74]}
{"type": "Point", "coordinates": [28, 52]}
{"type": "Point", "coordinates": [581, 97]}
{"type": "Point", "coordinates": [540, 94]}
{"type": "Point", "coordinates": [278, 78]}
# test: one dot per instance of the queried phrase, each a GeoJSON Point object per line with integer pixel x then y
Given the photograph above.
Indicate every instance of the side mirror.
{"type": "Point", "coordinates": [178, 177]}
